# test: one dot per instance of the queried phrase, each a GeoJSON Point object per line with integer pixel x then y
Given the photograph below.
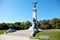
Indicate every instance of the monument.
{"type": "Point", "coordinates": [33, 29]}
{"type": "Point", "coordinates": [34, 23]}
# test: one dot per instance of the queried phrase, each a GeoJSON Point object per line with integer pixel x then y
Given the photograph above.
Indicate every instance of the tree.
{"type": "Point", "coordinates": [1, 27]}
{"type": "Point", "coordinates": [22, 25]}
{"type": "Point", "coordinates": [58, 26]}
{"type": "Point", "coordinates": [27, 24]}
{"type": "Point", "coordinates": [44, 24]}
{"type": "Point", "coordinates": [17, 25]}
{"type": "Point", "coordinates": [55, 22]}
{"type": "Point", "coordinates": [4, 25]}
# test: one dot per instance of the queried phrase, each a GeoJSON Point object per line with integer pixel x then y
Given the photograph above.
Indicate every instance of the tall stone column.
{"type": "Point", "coordinates": [35, 24]}
{"type": "Point", "coordinates": [34, 29]}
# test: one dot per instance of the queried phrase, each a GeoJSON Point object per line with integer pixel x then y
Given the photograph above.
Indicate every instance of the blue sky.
{"type": "Point", "coordinates": [21, 10]}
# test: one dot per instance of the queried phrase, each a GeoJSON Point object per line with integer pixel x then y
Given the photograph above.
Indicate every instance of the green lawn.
{"type": "Point", "coordinates": [53, 34]}
{"type": "Point", "coordinates": [2, 31]}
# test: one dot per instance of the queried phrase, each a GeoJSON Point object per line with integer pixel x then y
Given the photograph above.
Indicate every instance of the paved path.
{"type": "Point", "coordinates": [9, 37]}
{"type": "Point", "coordinates": [18, 35]}
{"type": "Point", "coordinates": [22, 33]}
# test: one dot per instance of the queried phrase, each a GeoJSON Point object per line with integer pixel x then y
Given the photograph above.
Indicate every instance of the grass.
{"type": "Point", "coordinates": [53, 34]}
{"type": "Point", "coordinates": [2, 31]}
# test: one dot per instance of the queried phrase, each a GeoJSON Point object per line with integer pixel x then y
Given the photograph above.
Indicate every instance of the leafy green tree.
{"type": "Point", "coordinates": [1, 27]}
{"type": "Point", "coordinates": [55, 22]}
{"type": "Point", "coordinates": [58, 26]}
{"type": "Point", "coordinates": [17, 25]}
{"type": "Point", "coordinates": [22, 25]}
{"type": "Point", "coordinates": [27, 24]}
{"type": "Point", "coordinates": [4, 25]}
{"type": "Point", "coordinates": [44, 24]}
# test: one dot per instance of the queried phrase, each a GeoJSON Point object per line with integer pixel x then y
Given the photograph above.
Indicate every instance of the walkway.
{"type": "Point", "coordinates": [8, 37]}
